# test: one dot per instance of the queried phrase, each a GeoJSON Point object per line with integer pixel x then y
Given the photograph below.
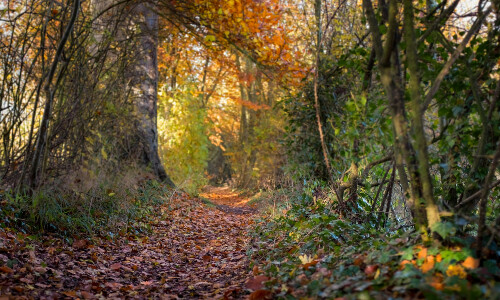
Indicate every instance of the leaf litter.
{"type": "Point", "coordinates": [191, 251]}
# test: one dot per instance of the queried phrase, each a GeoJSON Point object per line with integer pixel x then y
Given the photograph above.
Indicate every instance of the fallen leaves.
{"type": "Point", "coordinates": [192, 251]}
{"type": "Point", "coordinates": [80, 244]}
{"type": "Point", "coordinates": [257, 282]}
{"type": "Point", "coordinates": [115, 267]}
{"type": "Point", "coordinates": [260, 295]}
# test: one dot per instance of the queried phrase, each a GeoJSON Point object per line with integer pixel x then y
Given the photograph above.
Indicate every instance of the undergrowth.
{"type": "Point", "coordinates": [307, 250]}
{"type": "Point", "coordinates": [105, 209]}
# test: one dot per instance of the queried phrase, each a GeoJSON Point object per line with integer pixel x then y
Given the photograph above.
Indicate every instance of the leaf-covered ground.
{"type": "Point", "coordinates": [191, 250]}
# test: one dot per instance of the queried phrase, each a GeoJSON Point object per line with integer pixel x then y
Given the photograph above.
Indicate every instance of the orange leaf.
{"type": "Point", "coordinates": [403, 264]}
{"type": "Point", "coordinates": [310, 264]}
{"type": "Point", "coordinates": [70, 294]}
{"type": "Point", "coordinates": [437, 285]}
{"type": "Point", "coordinates": [428, 264]}
{"type": "Point", "coordinates": [471, 263]}
{"type": "Point", "coordinates": [358, 261]}
{"type": "Point", "coordinates": [422, 253]}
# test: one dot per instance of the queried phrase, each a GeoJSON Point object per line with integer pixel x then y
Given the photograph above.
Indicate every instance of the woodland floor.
{"type": "Point", "coordinates": [192, 251]}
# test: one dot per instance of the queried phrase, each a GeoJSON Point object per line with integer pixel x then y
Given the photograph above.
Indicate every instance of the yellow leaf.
{"type": "Point", "coordinates": [456, 270]}
{"type": "Point", "coordinates": [305, 259]}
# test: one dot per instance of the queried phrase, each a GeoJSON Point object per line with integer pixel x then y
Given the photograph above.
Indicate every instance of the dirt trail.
{"type": "Point", "coordinates": [227, 200]}
{"type": "Point", "coordinates": [192, 252]}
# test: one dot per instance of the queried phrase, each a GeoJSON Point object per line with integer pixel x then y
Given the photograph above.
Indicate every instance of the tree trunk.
{"type": "Point", "coordinates": [144, 87]}
{"type": "Point", "coordinates": [142, 82]}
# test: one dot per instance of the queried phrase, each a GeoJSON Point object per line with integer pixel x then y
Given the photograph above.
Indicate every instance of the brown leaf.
{"type": "Point", "coordinates": [70, 294]}
{"type": "Point", "coordinates": [310, 264]}
{"type": "Point", "coordinates": [370, 269]}
{"type": "Point", "coordinates": [255, 270]}
{"type": "Point", "coordinates": [257, 282]}
{"type": "Point", "coordinates": [87, 295]}
{"type": "Point", "coordinates": [80, 244]}
{"type": "Point", "coordinates": [114, 285]}
{"type": "Point", "coordinates": [358, 261]}
{"type": "Point", "coordinates": [206, 258]}
{"type": "Point", "coordinates": [115, 267]}
{"type": "Point", "coordinates": [218, 285]}
{"type": "Point", "coordinates": [26, 280]}
{"type": "Point", "coordinates": [40, 270]}
{"type": "Point", "coordinates": [6, 269]}
{"type": "Point", "coordinates": [260, 295]}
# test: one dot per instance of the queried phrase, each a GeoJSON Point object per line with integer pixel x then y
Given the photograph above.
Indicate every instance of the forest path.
{"type": "Point", "coordinates": [228, 200]}
{"type": "Point", "coordinates": [192, 251]}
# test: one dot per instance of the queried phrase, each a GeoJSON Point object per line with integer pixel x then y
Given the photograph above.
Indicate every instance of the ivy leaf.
{"type": "Point", "coordinates": [444, 229]}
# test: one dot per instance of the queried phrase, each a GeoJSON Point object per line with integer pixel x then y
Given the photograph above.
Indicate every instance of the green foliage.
{"type": "Point", "coordinates": [68, 212]}
{"type": "Point", "coordinates": [347, 113]}
{"type": "Point", "coordinates": [444, 229]}
{"type": "Point", "coordinates": [184, 138]}
{"type": "Point", "coordinates": [310, 251]}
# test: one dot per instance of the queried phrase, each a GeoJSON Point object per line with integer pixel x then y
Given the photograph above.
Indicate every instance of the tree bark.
{"type": "Point", "coordinates": [390, 70]}
{"type": "Point", "coordinates": [141, 80]}
{"type": "Point", "coordinates": [144, 86]}
{"type": "Point", "coordinates": [420, 141]}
